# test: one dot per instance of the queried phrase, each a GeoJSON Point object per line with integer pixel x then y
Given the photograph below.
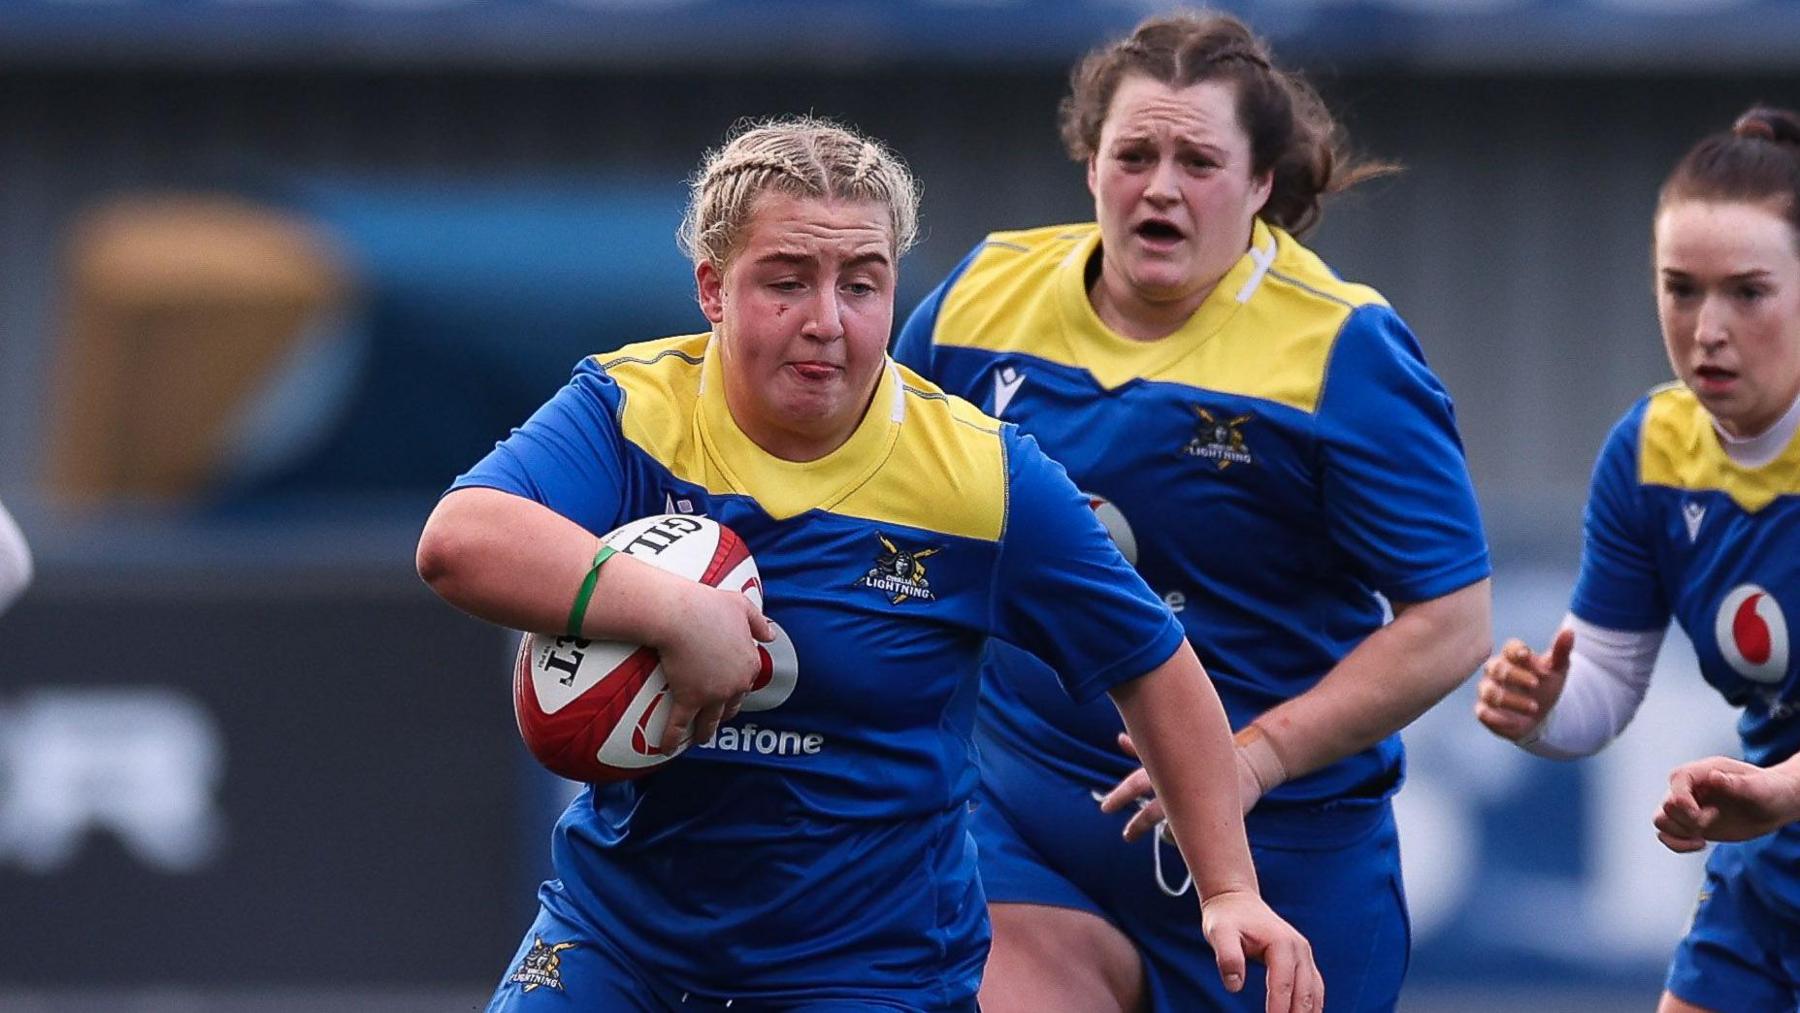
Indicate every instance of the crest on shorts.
{"type": "Point", "coordinates": [900, 573]}
{"type": "Point", "coordinates": [1219, 439]}
{"type": "Point", "coordinates": [542, 966]}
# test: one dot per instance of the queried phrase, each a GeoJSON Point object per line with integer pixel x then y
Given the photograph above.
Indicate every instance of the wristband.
{"type": "Point", "coordinates": [1259, 755]}
{"type": "Point", "coordinates": [578, 611]}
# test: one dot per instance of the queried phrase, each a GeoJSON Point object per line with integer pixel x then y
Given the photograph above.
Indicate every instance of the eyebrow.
{"type": "Point", "coordinates": [864, 259]}
{"type": "Point", "coordinates": [1754, 274]}
{"type": "Point", "coordinates": [807, 258]}
{"type": "Point", "coordinates": [1128, 136]}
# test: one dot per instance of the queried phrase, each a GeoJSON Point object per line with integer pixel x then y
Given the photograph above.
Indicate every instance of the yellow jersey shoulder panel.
{"type": "Point", "coordinates": [1278, 345]}
{"type": "Point", "coordinates": [1678, 448]}
{"type": "Point", "coordinates": [1266, 331]}
{"type": "Point", "coordinates": [660, 381]}
{"type": "Point", "coordinates": [944, 471]}
{"type": "Point", "coordinates": [1002, 301]}
{"type": "Point", "coordinates": [947, 472]}
{"type": "Point", "coordinates": [1300, 269]}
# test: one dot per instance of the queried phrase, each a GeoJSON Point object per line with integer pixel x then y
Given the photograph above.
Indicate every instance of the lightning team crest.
{"type": "Point", "coordinates": [1220, 441]}
{"type": "Point", "coordinates": [1752, 634]}
{"type": "Point", "coordinates": [900, 572]}
{"type": "Point", "coordinates": [542, 966]}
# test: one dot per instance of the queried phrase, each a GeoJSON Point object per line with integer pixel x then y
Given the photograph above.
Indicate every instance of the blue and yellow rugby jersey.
{"type": "Point", "coordinates": [1267, 468]}
{"type": "Point", "coordinates": [819, 849]}
{"type": "Point", "coordinates": [1674, 527]}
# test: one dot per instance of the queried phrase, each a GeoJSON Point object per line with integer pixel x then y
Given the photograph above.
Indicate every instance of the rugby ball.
{"type": "Point", "coordinates": [595, 710]}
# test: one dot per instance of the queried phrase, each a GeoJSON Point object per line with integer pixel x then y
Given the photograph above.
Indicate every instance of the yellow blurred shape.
{"type": "Point", "coordinates": [177, 308]}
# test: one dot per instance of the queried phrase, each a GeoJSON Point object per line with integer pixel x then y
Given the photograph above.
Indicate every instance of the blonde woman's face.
{"type": "Point", "coordinates": [1728, 298]}
{"type": "Point", "coordinates": [802, 314]}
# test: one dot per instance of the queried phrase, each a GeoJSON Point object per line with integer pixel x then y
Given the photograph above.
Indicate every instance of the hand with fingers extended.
{"type": "Point", "coordinates": [1518, 687]}
{"type": "Point", "coordinates": [710, 655]}
{"type": "Point", "coordinates": [1136, 788]}
{"type": "Point", "coordinates": [1239, 925]}
{"type": "Point", "coordinates": [1720, 799]}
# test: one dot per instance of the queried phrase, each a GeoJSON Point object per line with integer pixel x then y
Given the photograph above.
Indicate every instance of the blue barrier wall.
{"type": "Point", "coordinates": [1540, 34]}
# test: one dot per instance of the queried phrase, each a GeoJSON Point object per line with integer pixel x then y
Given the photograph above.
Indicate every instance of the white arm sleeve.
{"type": "Point", "coordinates": [15, 560]}
{"type": "Point", "coordinates": [1609, 671]}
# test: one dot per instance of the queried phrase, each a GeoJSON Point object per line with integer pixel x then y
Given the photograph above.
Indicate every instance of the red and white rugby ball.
{"type": "Point", "coordinates": [595, 710]}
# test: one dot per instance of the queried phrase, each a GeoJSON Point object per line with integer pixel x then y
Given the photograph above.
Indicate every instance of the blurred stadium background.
{"type": "Point", "coordinates": [272, 271]}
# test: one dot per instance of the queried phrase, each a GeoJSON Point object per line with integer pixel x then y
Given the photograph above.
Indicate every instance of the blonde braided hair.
{"type": "Point", "coordinates": [801, 156]}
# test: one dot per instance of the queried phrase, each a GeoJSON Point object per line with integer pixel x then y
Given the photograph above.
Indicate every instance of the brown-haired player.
{"type": "Point", "coordinates": [1267, 443]}
{"type": "Point", "coordinates": [1694, 514]}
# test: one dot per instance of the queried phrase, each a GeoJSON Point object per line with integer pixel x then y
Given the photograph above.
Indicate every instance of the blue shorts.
{"type": "Point", "coordinates": [1333, 872]}
{"type": "Point", "coordinates": [563, 964]}
{"type": "Point", "coordinates": [1741, 955]}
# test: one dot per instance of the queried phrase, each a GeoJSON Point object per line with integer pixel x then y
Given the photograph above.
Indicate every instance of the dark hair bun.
{"type": "Point", "coordinates": [1767, 123]}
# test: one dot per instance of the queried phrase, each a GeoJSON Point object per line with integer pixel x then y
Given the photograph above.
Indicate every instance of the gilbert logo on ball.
{"type": "Point", "coordinates": [1753, 634]}
{"type": "Point", "coordinates": [595, 710]}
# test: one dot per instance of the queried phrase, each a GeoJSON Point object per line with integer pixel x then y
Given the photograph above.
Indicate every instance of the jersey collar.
{"type": "Point", "coordinates": [1114, 359]}
{"type": "Point", "coordinates": [789, 488]}
{"type": "Point", "coordinates": [1765, 447]}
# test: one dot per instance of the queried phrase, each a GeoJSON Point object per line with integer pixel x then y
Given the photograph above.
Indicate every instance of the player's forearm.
{"type": "Point", "coordinates": [1178, 725]}
{"type": "Point", "coordinates": [1607, 677]}
{"type": "Point", "coordinates": [1396, 674]}
{"type": "Point", "coordinates": [517, 563]}
{"type": "Point", "coordinates": [1787, 774]}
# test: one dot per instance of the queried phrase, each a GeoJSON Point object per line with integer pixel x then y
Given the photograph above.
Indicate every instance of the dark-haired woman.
{"type": "Point", "coordinates": [1267, 444]}
{"type": "Point", "coordinates": [1694, 514]}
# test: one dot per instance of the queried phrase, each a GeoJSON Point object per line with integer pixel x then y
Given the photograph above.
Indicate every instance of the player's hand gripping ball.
{"type": "Point", "coordinates": [595, 710]}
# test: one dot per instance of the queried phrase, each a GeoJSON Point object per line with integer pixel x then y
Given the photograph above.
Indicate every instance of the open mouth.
{"type": "Point", "coordinates": [1714, 376]}
{"type": "Point", "coordinates": [1157, 230]}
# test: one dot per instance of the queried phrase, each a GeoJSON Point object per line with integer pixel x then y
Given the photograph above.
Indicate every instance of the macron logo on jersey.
{"type": "Point", "coordinates": [1693, 513]}
{"type": "Point", "coordinates": [1006, 383]}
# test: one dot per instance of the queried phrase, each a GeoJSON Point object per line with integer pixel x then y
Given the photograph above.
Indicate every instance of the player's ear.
{"type": "Point", "coordinates": [1093, 189]}
{"type": "Point", "coordinates": [1260, 188]}
{"type": "Point", "coordinates": [709, 282]}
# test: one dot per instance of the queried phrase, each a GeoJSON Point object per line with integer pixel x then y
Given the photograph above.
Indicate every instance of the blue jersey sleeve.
{"type": "Point", "coordinates": [1619, 587]}
{"type": "Point", "coordinates": [1396, 488]}
{"type": "Point", "coordinates": [1063, 592]}
{"type": "Point", "coordinates": [915, 347]}
{"type": "Point", "coordinates": [569, 455]}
